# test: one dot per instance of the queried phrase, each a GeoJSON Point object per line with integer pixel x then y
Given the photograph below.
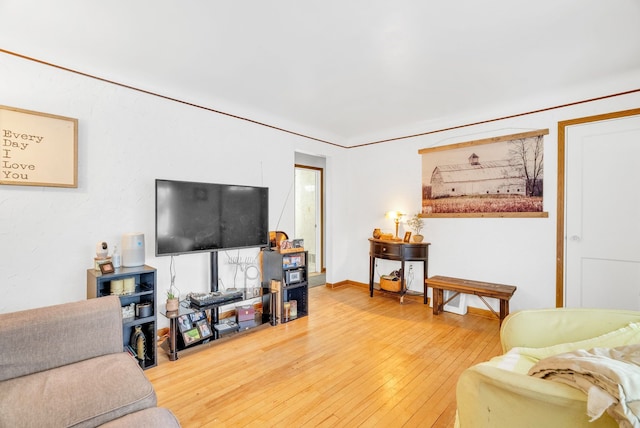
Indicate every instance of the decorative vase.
{"type": "Point", "coordinates": [418, 238]}
{"type": "Point", "coordinates": [172, 305]}
{"type": "Point", "coordinates": [377, 233]}
{"type": "Point", "coordinates": [138, 342]}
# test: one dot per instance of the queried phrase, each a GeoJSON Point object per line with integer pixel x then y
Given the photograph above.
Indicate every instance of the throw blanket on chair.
{"type": "Point", "coordinates": [609, 376]}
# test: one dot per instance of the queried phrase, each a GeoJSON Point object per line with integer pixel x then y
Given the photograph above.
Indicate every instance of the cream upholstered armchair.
{"type": "Point", "coordinates": [499, 393]}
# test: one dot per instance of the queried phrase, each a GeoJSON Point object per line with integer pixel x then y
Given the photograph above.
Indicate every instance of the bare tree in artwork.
{"type": "Point", "coordinates": [527, 156]}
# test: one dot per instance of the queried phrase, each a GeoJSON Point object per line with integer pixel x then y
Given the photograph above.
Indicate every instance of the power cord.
{"type": "Point", "coordinates": [172, 274]}
{"type": "Point", "coordinates": [410, 277]}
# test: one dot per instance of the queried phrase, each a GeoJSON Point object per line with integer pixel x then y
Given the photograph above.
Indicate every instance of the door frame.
{"type": "Point", "coordinates": [321, 212]}
{"type": "Point", "coordinates": [560, 223]}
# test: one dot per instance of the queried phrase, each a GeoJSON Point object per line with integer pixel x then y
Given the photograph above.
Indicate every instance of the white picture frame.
{"type": "Point", "coordinates": [457, 305]}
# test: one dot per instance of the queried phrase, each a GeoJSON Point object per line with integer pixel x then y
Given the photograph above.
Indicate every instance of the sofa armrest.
{"type": "Point", "coordinates": [539, 328]}
{"type": "Point", "coordinates": [491, 397]}
{"type": "Point", "coordinates": [40, 339]}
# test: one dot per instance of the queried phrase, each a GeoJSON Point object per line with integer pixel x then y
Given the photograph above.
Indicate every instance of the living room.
{"type": "Point", "coordinates": [130, 135]}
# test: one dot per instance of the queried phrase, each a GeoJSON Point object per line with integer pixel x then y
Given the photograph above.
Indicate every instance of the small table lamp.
{"type": "Point", "coordinates": [395, 215]}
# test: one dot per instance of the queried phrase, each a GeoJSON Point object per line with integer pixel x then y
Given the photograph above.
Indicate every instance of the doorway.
{"type": "Point", "coordinates": [309, 211]}
{"type": "Point", "coordinates": [598, 235]}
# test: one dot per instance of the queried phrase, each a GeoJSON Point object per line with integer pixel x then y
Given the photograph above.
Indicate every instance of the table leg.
{"type": "Point", "coordinates": [371, 273]}
{"type": "Point", "coordinates": [424, 281]}
{"type": "Point", "coordinates": [173, 326]}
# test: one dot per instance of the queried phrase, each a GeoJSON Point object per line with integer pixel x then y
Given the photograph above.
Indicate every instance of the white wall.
{"type": "Point", "coordinates": [127, 139]}
{"type": "Point", "coordinates": [518, 251]}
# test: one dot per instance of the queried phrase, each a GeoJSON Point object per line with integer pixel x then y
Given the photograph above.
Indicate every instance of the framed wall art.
{"type": "Point", "coordinates": [38, 149]}
{"type": "Point", "coordinates": [494, 177]}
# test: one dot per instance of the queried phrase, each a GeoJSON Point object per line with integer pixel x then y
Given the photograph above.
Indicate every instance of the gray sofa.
{"type": "Point", "coordinates": [64, 366]}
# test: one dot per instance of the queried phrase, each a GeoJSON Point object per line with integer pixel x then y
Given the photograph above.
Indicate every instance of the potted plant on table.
{"type": "Point", "coordinates": [173, 299]}
{"type": "Point", "coordinates": [416, 224]}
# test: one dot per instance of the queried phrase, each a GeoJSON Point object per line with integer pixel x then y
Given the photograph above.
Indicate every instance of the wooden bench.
{"type": "Point", "coordinates": [477, 288]}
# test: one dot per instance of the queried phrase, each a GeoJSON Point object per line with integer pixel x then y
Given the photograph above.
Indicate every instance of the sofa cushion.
{"type": "Point", "coordinates": [84, 394]}
{"type": "Point", "coordinates": [537, 328]}
{"type": "Point", "coordinates": [41, 339]}
{"type": "Point", "coordinates": [521, 359]}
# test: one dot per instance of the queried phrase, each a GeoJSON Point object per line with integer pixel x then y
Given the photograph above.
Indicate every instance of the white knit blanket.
{"type": "Point", "coordinates": [609, 376]}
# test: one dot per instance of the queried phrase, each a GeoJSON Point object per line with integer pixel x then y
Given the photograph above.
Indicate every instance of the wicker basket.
{"type": "Point", "coordinates": [390, 283]}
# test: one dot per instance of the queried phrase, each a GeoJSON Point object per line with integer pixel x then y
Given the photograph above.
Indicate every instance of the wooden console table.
{"type": "Point", "coordinates": [402, 252]}
{"type": "Point", "coordinates": [478, 288]}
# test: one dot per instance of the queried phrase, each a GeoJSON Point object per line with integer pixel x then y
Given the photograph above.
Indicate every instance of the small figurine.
{"type": "Point", "coordinates": [101, 250]}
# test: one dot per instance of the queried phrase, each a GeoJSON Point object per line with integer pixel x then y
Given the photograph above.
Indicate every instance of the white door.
{"type": "Point", "coordinates": [602, 232]}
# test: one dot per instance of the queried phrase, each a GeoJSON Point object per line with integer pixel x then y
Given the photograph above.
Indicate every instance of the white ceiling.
{"type": "Point", "coordinates": [344, 71]}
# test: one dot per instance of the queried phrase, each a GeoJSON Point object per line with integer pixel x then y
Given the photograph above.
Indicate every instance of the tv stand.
{"type": "Point", "coordinates": [263, 304]}
{"type": "Point", "coordinates": [179, 340]}
{"type": "Point", "coordinates": [213, 259]}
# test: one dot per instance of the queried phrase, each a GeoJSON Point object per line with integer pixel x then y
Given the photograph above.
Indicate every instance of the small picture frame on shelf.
{"type": "Point", "coordinates": [197, 316]}
{"type": "Point", "coordinates": [191, 336]}
{"type": "Point", "coordinates": [407, 236]}
{"type": "Point", "coordinates": [106, 268]}
{"type": "Point", "coordinates": [204, 328]}
{"type": "Point", "coordinates": [184, 323]}
{"type": "Point", "coordinates": [286, 245]}
{"type": "Point", "coordinates": [292, 246]}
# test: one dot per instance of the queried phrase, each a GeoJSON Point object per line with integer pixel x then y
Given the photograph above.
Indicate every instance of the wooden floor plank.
{"type": "Point", "coordinates": [355, 361]}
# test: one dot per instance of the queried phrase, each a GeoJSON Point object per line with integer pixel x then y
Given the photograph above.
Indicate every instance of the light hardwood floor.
{"type": "Point", "coordinates": [354, 361]}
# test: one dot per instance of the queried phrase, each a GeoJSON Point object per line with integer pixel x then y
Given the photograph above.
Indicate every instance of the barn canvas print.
{"type": "Point", "coordinates": [494, 177]}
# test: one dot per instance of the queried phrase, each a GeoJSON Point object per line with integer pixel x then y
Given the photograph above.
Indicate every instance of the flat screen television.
{"type": "Point", "coordinates": [204, 217]}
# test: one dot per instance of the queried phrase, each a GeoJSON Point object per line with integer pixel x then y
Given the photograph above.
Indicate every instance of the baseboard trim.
{"type": "Point", "coordinates": [413, 297]}
{"type": "Point", "coordinates": [338, 284]}
{"type": "Point", "coordinates": [480, 312]}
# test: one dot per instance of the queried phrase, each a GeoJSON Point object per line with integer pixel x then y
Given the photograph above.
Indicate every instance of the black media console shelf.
{"type": "Point", "coordinates": [136, 287]}
{"type": "Point", "coordinates": [292, 271]}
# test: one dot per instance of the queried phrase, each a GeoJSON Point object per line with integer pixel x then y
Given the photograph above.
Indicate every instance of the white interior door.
{"type": "Point", "coordinates": [602, 232]}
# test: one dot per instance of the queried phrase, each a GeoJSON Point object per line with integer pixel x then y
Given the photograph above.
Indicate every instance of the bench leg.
{"type": "Point", "coordinates": [504, 309]}
{"type": "Point", "coordinates": [438, 297]}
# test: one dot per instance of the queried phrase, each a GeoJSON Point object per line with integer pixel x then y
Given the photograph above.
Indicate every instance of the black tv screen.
{"type": "Point", "coordinates": [204, 217]}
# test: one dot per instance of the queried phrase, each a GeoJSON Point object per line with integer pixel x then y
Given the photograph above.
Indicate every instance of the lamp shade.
{"type": "Point", "coordinates": [395, 215]}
